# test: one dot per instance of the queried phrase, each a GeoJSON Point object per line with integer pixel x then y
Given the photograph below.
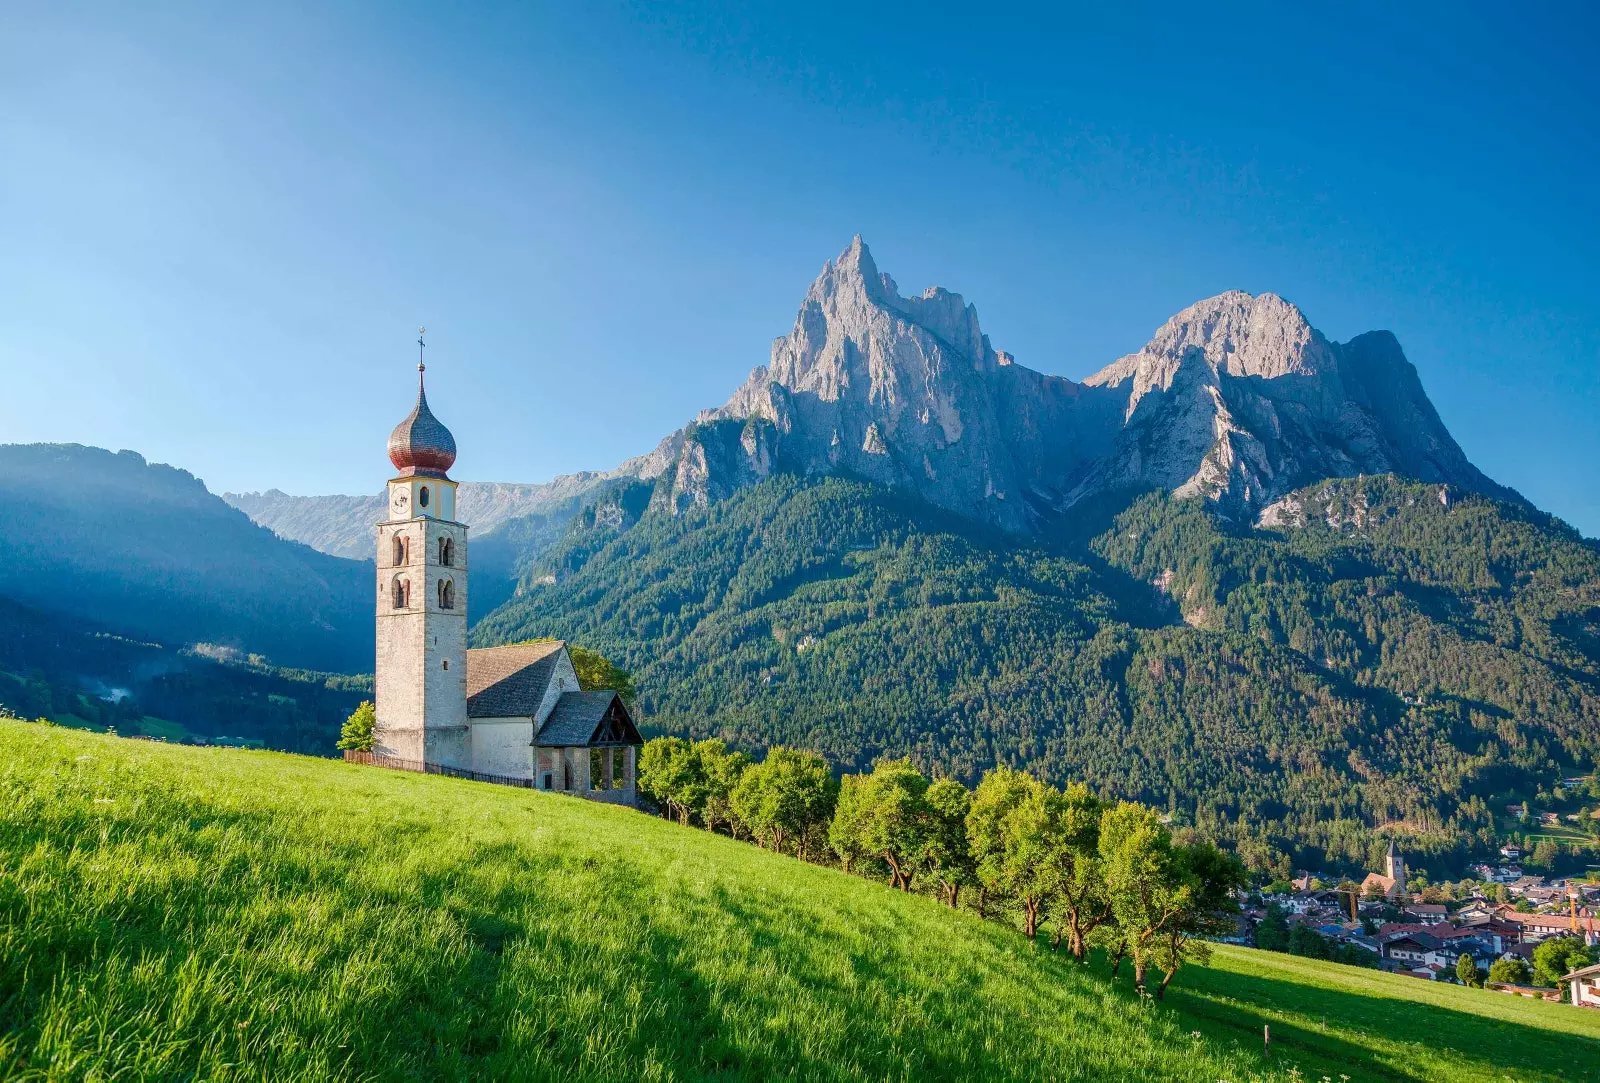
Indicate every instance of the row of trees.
{"type": "Point", "coordinates": [1087, 871]}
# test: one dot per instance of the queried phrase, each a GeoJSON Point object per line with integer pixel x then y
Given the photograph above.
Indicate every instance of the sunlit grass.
{"type": "Point", "coordinates": [171, 912]}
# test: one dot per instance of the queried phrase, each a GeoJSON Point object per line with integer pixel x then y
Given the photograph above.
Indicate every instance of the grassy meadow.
{"type": "Point", "coordinates": [195, 913]}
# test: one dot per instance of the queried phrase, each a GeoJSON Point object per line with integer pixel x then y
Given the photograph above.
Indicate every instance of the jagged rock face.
{"type": "Point", "coordinates": [1237, 399]}
{"type": "Point", "coordinates": [892, 389]}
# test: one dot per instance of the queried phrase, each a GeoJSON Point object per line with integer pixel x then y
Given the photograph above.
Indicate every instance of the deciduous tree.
{"type": "Point", "coordinates": [787, 796]}
{"type": "Point", "coordinates": [948, 857]}
{"type": "Point", "coordinates": [356, 733]}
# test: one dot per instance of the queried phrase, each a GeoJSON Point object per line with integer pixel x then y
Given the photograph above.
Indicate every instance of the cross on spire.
{"type": "Point", "coordinates": [420, 347]}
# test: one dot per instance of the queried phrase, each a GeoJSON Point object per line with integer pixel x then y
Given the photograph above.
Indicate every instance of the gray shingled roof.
{"type": "Point", "coordinates": [509, 682]}
{"type": "Point", "coordinates": [578, 716]}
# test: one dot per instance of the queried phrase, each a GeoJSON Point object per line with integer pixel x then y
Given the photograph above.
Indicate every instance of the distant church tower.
{"type": "Point", "coordinates": [421, 672]}
{"type": "Point", "coordinates": [1394, 867]}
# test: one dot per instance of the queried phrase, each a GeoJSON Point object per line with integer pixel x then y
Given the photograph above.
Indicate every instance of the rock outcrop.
{"type": "Point", "coordinates": [1237, 399]}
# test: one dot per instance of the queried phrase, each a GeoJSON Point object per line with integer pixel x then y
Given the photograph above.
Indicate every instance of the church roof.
{"type": "Point", "coordinates": [588, 718]}
{"type": "Point", "coordinates": [510, 682]}
{"type": "Point", "coordinates": [421, 445]}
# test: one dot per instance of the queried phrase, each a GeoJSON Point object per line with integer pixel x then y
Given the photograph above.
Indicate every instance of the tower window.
{"type": "Point", "coordinates": [447, 594]}
{"type": "Point", "coordinates": [447, 663]}
{"type": "Point", "coordinates": [401, 593]}
{"type": "Point", "coordinates": [422, 496]}
{"type": "Point", "coordinates": [401, 551]}
{"type": "Point", "coordinates": [447, 552]}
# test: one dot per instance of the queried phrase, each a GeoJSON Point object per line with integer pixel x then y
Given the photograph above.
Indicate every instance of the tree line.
{"type": "Point", "coordinates": [1085, 871]}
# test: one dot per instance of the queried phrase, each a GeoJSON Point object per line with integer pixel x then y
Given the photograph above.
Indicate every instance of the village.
{"type": "Point", "coordinates": [1409, 927]}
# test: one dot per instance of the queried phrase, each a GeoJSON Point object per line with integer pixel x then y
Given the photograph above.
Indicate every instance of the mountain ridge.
{"type": "Point", "coordinates": [1236, 399]}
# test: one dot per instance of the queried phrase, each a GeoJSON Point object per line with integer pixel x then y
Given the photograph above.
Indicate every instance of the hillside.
{"type": "Point", "coordinates": [144, 550]}
{"type": "Point", "coordinates": [178, 912]}
{"type": "Point", "coordinates": [81, 674]}
{"type": "Point", "coordinates": [1309, 684]}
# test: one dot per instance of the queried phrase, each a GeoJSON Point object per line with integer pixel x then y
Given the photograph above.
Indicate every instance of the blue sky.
{"type": "Point", "coordinates": [221, 224]}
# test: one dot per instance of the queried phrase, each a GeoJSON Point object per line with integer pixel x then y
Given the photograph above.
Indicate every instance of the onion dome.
{"type": "Point", "coordinates": [421, 445]}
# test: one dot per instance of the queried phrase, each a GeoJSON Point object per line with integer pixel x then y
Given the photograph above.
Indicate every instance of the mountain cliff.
{"type": "Point", "coordinates": [1237, 399]}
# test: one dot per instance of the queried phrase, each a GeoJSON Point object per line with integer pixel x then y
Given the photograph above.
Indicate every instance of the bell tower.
{"type": "Point", "coordinates": [421, 673]}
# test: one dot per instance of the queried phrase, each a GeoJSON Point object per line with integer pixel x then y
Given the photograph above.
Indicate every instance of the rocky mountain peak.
{"type": "Point", "coordinates": [1233, 334]}
{"type": "Point", "coordinates": [1236, 398]}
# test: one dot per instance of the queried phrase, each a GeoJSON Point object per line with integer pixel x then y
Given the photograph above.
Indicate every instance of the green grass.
{"type": "Point", "coordinates": [174, 912]}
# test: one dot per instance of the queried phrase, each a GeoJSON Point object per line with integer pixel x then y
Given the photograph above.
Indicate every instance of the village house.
{"type": "Point", "coordinates": [1583, 986]}
{"type": "Point", "coordinates": [1536, 927]}
{"type": "Point", "coordinates": [1426, 913]}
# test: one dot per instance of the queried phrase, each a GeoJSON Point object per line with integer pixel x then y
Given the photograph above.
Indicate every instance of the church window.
{"type": "Point", "coordinates": [447, 552]}
{"type": "Point", "coordinates": [422, 496]}
{"type": "Point", "coordinates": [447, 663]}
{"type": "Point", "coordinates": [401, 593]}
{"type": "Point", "coordinates": [447, 594]}
{"type": "Point", "coordinates": [400, 553]}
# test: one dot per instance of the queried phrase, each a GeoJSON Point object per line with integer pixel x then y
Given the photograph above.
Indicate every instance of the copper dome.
{"type": "Point", "coordinates": [421, 444]}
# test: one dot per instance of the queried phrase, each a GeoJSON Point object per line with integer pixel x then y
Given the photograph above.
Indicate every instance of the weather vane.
{"type": "Point", "coordinates": [420, 347]}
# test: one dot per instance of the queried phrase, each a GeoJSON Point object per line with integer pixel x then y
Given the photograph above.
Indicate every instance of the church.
{"type": "Point", "coordinates": [1392, 883]}
{"type": "Point", "coordinates": [512, 714]}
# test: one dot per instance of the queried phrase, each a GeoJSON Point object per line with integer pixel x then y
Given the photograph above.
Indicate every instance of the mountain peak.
{"type": "Point", "coordinates": [1235, 334]}
{"type": "Point", "coordinates": [1236, 398]}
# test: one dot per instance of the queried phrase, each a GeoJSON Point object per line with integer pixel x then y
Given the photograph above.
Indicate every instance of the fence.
{"type": "Point", "coordinates": [377, 759]}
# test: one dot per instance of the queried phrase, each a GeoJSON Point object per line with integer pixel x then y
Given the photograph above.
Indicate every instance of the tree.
{"type": "Point", "coordinates": [719, 772]}
{"type": "Point", "coordinates": [1307, 943]}
{"type": "Point", "coordinates": [1512, 970]}
{"type": "Point", "coordinates": [1079, 902]}
{"type": "Point", "coordinates": [1557, 956]}
{"type": "Point", "coordinates": [845, 832]}
{"type": "Point", "coordinates": [992, 802]}
{"type": "Point", "coordinates": [1210, 910]}
{"type": "Point", "coordinates": [1545, 855]}
{"type": "Point", "coordinates": [885, 816]}
{"type": "Point", "coordinates": [1148, 886]}
{"type": "Point", "coordinates": [948, 857]}
{"type": "Point", "coordinates": [1010, 830]}
{"type": "Point", "coordinates": [1467, 972]}
{"type": "Point", "coordinates": [597, 672]}
{"type": "Point", "coordinates": [1273, 932]}
{"type": "Point", "coordinates": [669, 776]}
{"type": "Point", "coordinates": [787, 796]}
{"type": "Point", "coordinates": [356, 733]}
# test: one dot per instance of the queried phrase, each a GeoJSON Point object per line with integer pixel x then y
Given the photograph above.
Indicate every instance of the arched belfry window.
{"type": "Point", "coordinates": [422, 496]}
{"type": "Point", "coordinates": [402, 592]}
{"type": "Point", "coordinates": [447, 594]}
{"type": "Point", "coordinates": [447, 551]}
{"type": "Point", "coordinates": [400, 551]}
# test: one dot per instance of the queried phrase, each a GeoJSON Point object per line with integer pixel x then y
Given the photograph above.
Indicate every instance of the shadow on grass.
{"type": "Point", "coordinates": [1241, 1004]}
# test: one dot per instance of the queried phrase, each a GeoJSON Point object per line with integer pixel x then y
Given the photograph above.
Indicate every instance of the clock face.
{"type": "Point", "coordinates": [399, 501]}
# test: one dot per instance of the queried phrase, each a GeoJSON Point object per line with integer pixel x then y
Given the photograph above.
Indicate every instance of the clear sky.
{"type": "Point", "coordinates": [220, 224]}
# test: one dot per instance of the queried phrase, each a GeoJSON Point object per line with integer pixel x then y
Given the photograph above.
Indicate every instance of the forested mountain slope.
{"type": "Point", "coordinates": [82, 674]}
{"type": "Point", "coordinates": [145, 550]}
{"type": "Point", "coordinates": [837, 615]}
